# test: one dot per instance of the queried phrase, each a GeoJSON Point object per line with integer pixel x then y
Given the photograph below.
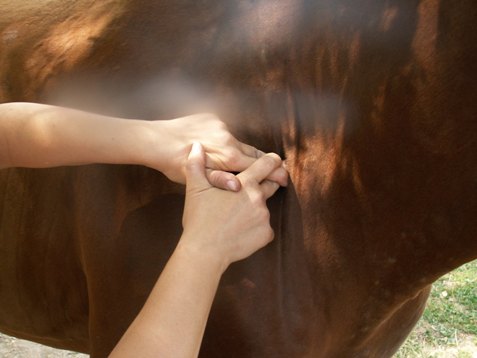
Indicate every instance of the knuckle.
{"type": "Point", "coordinates": [232, 155]}
{"type": "Point", "coordinates": [268, 234]}
{"type": "Point", "coordinates": [271, 160]}
{"type": "Point", "coordinates": [224, 137]}
{"type": "Point", "coordinates": [258, 153]}
{"type": "Point", "coordinates": [258, 199]}
{"type": "Point", "coordinates": [212, 120]}
{"type": "Point", "coordinates": [215, 120]}
{"type": "Point", "coordinates": [275, 157]}
{"type": "Point", "coordinates": [228, 138]}
{"type": "Point", "coordinates": [221, 125]}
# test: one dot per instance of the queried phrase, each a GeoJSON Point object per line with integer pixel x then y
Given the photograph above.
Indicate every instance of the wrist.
{"type": "Point", "coordinates": [149, 150]}
{"type": "Point", "coordinates": [159, 149]}
{"type": "Point", "coordinates": [208, 260]}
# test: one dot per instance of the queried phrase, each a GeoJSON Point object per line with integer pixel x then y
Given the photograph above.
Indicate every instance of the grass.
{"type": "Point", "coordinates": [448, 328]}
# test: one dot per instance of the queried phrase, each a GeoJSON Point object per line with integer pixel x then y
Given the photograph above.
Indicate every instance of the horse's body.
{"type": "Point", "coordinates": [373, 103]}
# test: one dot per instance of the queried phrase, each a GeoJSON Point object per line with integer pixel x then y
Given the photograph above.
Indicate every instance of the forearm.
{"type": "Point", "coordinates": [38, 136]}
{"type": "Point", "coordinates": [172, 322]}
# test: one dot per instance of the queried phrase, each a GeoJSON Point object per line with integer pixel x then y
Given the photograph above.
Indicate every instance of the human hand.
{"type": "Point", "coordinates": [223, 225]}
{"type": "Point", "coordinates": [223, 152]}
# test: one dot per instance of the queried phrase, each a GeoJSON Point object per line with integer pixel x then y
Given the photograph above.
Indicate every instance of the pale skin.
{"type": "Point", "coordinates": [220, 226]}
{"type": "Point", "coordinates": [40, 136]}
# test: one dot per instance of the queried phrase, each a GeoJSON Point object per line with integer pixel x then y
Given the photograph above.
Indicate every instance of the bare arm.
{"type": "Point", "coordinates": [39, 136]}
{"type": "Point", "coordinates": [173, 320]}
{"type": "Point", "coordinates": [219, 228]}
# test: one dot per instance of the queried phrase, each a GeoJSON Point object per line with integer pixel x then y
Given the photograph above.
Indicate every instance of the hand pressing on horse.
{"type": "Point", "coordinates": [223, 152]}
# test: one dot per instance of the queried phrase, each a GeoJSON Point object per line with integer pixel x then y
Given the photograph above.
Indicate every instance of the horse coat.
{"type": "Point", "coordinates": [372, 103]}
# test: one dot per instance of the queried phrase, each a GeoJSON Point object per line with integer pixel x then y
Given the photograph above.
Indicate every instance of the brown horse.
{"type": "Point", "coordinates": [373, 104]}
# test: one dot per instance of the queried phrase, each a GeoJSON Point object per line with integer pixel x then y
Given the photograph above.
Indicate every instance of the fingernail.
{"type": "Point", "coordinates": [196, 148]}
{"type": "Point", "coordinates": [232, 185]}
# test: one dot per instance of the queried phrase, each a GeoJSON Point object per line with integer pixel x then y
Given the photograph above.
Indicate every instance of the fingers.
{"type": "Point", "coordinates": [280, 175]}
{"type": "Point", "coordinates": [250, 151]}
{"type": "Point", "coordinates": [269, 188]}
{"type": "Point", "coordinates": [195, 168]}
{"type": "Point", "coordinates": [223, 180]}
{"type": "Point", "coordinates": [261, 168]}
{"type": "Point", "coordinates": [235, 158]}
{"type": "Point", "coordinates": [228, 181]}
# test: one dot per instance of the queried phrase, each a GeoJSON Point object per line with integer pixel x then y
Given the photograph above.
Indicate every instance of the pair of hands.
{"type": "Point", "coordinates": [223, 153]}
{"type": "Point", "coordinates": [220, 227]}
{"type": "Point", "coordinates": [223, 225]}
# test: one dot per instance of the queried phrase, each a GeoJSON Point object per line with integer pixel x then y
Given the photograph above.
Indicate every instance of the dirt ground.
{"type": "Point", "coordinates": [17, 348]}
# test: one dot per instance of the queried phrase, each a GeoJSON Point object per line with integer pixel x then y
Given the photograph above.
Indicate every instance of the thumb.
{"type": "Point", "coordinates": [195, 169]}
